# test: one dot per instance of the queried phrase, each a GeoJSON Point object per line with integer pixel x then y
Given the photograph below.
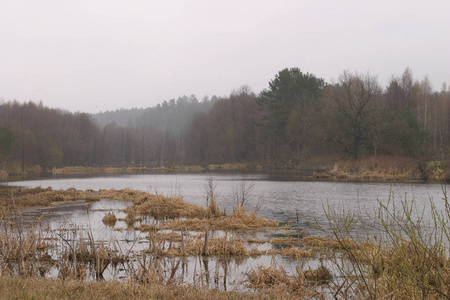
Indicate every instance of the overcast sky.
{"type": "Point", "coordinates": [97, 55]}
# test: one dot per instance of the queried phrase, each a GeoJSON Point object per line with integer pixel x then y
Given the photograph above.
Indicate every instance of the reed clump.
{"type": "Point", "coordinates": [322, 275]}
{"type": "Point", "coordinates": [161, 207]}
{"type": "Point", "coordinates": [24, 252]}
{"type": "Point", "coordinates": [275, 278]}
{"type": "Point", "coordinates": [227, 245]}
{"type": "Point", "coordinates": [238, 221]}
{"type": "Point", "coordinates": [109, 219]}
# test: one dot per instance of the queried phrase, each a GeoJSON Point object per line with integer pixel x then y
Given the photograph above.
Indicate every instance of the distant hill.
{"type": "Point", "coordinates": [171, 116]}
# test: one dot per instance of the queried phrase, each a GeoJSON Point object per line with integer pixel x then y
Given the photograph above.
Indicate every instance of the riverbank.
{"type": "Point", "coordinates": [386, 169]}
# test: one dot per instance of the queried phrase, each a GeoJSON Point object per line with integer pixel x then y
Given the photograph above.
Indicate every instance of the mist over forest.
{"type": "Point", "coordinates": [298, 116]}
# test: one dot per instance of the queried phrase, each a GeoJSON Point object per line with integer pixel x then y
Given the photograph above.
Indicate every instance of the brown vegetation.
{"type": "Point", "coordinates": [274, 277]}
{"type": "Point", "coordinates": [406, 262]}
{"type": "Point", "coordinates": [387, 169]}
{"type": "Point", "coordinates": [109, 219]}
{"type": "Point", "coordinates": [33, 288]}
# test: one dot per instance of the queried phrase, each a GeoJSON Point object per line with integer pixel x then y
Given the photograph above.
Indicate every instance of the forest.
{"type": "Point", "coordinates": [298, 116]}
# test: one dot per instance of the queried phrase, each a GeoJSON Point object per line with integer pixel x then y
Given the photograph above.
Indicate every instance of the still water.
{"type": "Point", "coordinates": [296, 202]}
{"type": "Point", "coordinates": [276, 199]}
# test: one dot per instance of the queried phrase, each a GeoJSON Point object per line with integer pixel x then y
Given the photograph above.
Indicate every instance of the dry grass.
{"type": "Point", "coordinates": [40, 197]}
{"type": "Point", "coordinates": [97, 170]}
{"type": "Point", "coordinates": [228, 167]}
{"type": "Point", "coordinates": [18, 288]}
{"type": "Point", "coordinates": [363, 169]}
{"type": "Point", "coordinates": [161, 207]}
{"type": "Point", "coordinates": [283, 240]}
{"type": "Point", "coordinates": [238, 221]}
{"type": "Point", "coordinates": [322, 274]}
{"type": "Point", "coordinates": [4, 175]}
{"type": "Point", "coordinates": [145, 204]}
{"type": "Point", "coordinates": [292, 252]}
{"type": "Point", "coordinates": [109, 219]}
{"type": "Point", "coordinates": [275, 278]}
{"type": "Point", "coordinates": [23, 252]}
{"type": "Point", "coordinates": [167, 236]}
{"type": "Point", "coordinates": [256, 241]}
{"type": "Point", "coordinates": [179, 169]}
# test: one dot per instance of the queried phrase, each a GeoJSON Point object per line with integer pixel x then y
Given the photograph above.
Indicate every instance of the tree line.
{"type": "Point", "coordinates": [298, 116]}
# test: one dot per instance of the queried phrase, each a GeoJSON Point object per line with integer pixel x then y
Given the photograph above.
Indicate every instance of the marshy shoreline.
{"type": "Point", "coordinates": [403, 260]}
{"type": "Point", "coordinates": [386, 169]}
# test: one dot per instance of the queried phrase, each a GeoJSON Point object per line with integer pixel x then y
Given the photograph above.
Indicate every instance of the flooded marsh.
{"type": "Point", "coordinates": [131, 235]}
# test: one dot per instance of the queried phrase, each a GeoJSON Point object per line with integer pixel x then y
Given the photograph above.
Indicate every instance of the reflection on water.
{"type": "Point", "coordinates": [73, 226]}
{"type": "Point", "coordinates": [285, 201]}
{"type": "Point", "coordinates": [298, 201]}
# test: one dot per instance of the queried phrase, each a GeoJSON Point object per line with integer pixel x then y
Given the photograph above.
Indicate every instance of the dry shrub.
{"type": "Point", "coordinates": [109, 219]}
{"type": "Point", "coordinates": [214, 209]}
{"type": "Point", "coordinates": [411, 267]}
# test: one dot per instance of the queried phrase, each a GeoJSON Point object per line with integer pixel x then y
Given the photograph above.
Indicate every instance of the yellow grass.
{"type": "Point", "coordinates": [34, 288]}
{"type": "Point", "coordinates": [283, 240]}
{"type": "Point", "coordinates": [89, 170]}
{"type": "Point", "coordinates": [388, 169]}
{"type": "Point", "coordinates": [228, 167]}
{"type": "Point", "coordinates": [275, 278]}
{"type": "Point", "coordinates": [238, 221]}
{"type": "Point", "coordinates": [109, 219]}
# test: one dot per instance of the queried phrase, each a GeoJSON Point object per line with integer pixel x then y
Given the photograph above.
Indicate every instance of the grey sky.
{"type": "Point", "coordinates": [92, 55]}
